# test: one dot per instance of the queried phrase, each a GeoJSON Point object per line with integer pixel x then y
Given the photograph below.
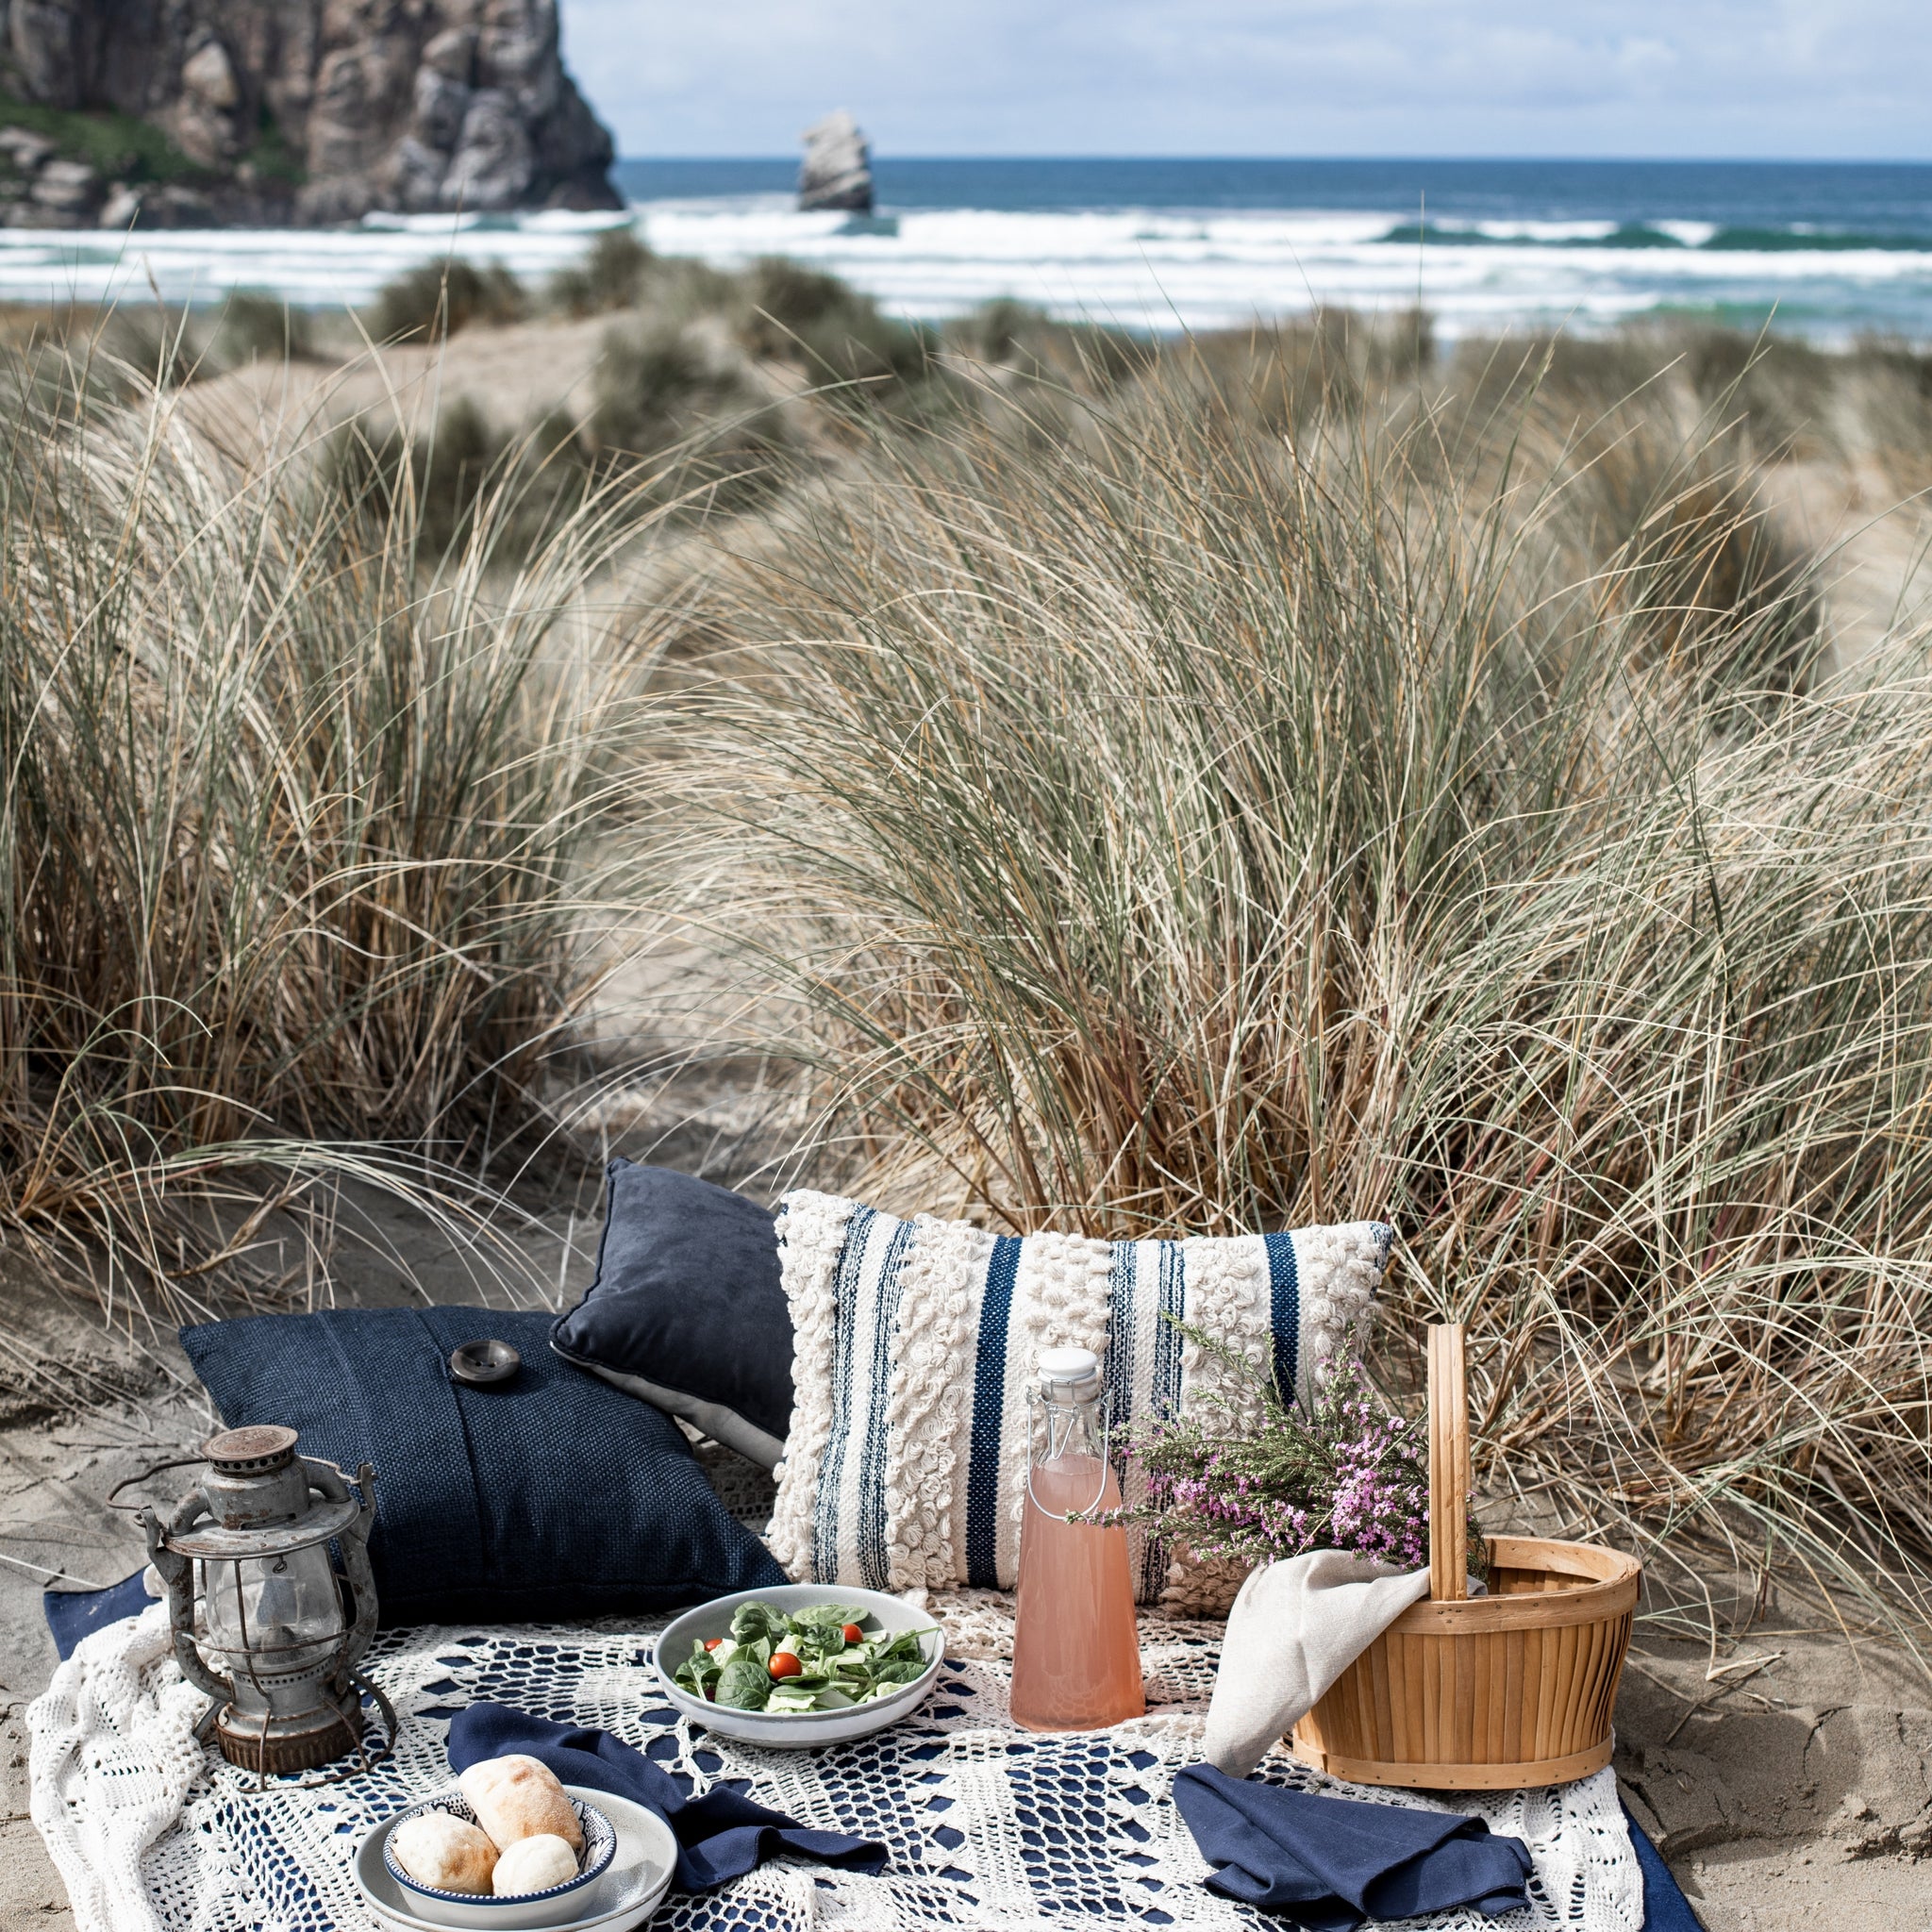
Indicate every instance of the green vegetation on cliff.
{"type": "Point", "coordinates": [118, 147]}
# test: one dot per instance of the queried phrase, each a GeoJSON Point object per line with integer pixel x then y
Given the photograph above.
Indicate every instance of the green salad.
{"type": "Point", "coordinates": [823, 1657]}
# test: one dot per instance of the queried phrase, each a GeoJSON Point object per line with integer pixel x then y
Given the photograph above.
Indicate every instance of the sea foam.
{"type": "Point", "coordinates": [1139, 267]}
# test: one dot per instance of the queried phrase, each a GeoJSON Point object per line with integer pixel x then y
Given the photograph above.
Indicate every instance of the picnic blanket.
{"type": "Point", "coordinates": [986, 1825]}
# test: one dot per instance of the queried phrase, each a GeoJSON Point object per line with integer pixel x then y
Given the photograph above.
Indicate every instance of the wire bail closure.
{"type": "Point", "coordinates": [1057, 1439]}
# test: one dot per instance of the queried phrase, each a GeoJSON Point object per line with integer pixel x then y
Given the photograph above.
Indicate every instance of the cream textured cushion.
{"type": "Point", "coordinates": [914, 1344]}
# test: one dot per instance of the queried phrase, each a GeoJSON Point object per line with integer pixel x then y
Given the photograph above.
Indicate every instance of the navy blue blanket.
{"type": "Point", "coordinates": [1665, 1908]}
{"type": "Point", "coordinates": [723, 1833]}
{"type": "Point", "coordinates": [72, 1614]}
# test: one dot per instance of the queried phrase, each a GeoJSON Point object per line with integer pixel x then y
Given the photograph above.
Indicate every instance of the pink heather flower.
{"type": "Point", "coordinates": [1338, 1472]}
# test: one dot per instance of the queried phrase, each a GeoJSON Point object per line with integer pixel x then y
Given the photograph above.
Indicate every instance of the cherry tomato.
{"type": "Point", "coordinates": [853, 1634]}
{"type": "Point", "coordinates": [784, 1664]}
{"type": "Point", "coordinates": [712, 1642]}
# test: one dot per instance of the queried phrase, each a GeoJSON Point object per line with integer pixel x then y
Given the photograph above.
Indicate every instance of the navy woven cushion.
{"type": "Point", "coordinates": [687, 1308]}
{"type": "Point", "coordinates": [548, 1496]}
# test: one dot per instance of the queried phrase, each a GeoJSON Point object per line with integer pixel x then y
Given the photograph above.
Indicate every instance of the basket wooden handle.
{"type": "Point", "coordinates": [1448, 1464]}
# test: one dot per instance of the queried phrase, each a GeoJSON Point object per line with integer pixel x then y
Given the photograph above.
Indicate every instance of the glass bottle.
{"type": "Point", "coordinates": [1076, 1653]}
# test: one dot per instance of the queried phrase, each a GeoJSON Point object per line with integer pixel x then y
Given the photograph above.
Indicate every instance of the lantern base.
{"type": "Point", "coordinates": [285, 1744]}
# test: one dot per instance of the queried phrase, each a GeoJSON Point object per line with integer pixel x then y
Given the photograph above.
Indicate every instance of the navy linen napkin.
{"type": "Point", "coordinates": [1330, 1863]}
{"type": "Point", "coordinates": [720, 1836]}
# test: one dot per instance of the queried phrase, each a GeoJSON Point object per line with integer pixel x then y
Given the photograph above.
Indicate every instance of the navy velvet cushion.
{"type": "Point", "coordinates": [687, 1308]}
{"type": "Point", "coordinates": [547, 1496]}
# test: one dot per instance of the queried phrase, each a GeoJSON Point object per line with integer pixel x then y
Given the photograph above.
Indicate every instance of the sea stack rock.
{"type": "Point", "coordinates": [297, 111]}
{"type": "Point", "coordinates": [837, 172]}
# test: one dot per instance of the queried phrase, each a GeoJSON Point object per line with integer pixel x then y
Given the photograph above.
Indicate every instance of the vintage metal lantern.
{"type": "Point", "coordinates": [280, 1628]}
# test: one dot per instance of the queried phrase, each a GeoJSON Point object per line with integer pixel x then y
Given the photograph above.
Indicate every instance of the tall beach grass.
{"type": "Point", "coordinates": [1216, 816]}
{"type": "Point", "coordinates": [1191, 789]}
{"type": "Point", "coordinates": [292, 855]}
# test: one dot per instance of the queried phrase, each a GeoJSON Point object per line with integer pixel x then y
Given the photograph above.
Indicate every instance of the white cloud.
{"type": "Point", "coordinates": [1796, 77]}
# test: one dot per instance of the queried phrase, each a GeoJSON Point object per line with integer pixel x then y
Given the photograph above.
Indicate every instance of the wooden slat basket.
{"type": "Point", "coordinates": [1465, 1693]}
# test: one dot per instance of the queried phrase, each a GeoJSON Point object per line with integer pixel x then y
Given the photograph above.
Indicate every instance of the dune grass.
{"type": "Point", "coordinates": [296, 825]}
{"type": "Point", "coordinates": [1196, 787]}
{"type": "Point", "coordinates": [1228, 817]}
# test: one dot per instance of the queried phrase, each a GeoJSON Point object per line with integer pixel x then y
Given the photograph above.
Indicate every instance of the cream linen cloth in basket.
{"type": "Point", "coordinates": [987, 1827]}
{"type": "Point", "coordinates": [1295, 1628]}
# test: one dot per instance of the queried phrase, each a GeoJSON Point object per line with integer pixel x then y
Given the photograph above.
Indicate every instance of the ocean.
{"type": "Point", "coordinates": [1828, 251]}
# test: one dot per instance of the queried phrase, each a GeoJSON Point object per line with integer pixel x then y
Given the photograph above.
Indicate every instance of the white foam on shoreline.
{"type": "Point", "coordinates": [1155, 269]}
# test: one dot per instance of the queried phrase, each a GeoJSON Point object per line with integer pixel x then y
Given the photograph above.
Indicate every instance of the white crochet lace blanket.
{"type": "Point", "coordinates": [988, 1826]}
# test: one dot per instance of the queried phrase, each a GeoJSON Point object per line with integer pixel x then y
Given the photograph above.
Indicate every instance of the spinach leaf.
{"type": "Point", "coordinates": [744, 1685]}
{"type": "Point", "coordinates": [818, 1641]}
{"type": "Point", "coordinates": [750, 1622]}
{"type": "Point", "coordinates": [900, 1673]}
{"type": "Point", "coordinates": [829, 1616]}
{"type": "Point", "coordinates": [697, 1672]}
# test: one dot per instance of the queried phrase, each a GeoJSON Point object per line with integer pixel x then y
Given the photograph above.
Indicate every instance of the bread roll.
{"type": "Point", "coordinates": [518, 1798]}
{"type": "Point", "coordinates": [439, 1849]}
{"type": "Point", "coordinates": [535, 1864]}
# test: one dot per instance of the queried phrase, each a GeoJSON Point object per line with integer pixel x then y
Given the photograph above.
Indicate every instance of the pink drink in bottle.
{"type": "Point", "coordinates": [1077, 1653]}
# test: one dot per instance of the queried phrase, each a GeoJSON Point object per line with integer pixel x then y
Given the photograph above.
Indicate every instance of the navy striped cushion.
{"type": "Point", "coordinates": [914, 1345]}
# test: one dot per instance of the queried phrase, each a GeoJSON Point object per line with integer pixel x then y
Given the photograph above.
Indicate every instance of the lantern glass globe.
{"type": "Point", "coordinates": [283, 1614]}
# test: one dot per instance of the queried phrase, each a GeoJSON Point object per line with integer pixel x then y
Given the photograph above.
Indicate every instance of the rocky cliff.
{"type": "Point", "coordinates": [175, 111]}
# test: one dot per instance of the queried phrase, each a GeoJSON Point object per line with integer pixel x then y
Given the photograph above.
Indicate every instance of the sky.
{"type": "Point", "coordinates": [1801, 79]}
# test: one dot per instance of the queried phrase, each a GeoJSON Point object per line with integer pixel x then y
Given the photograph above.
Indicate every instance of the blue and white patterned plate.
{"type": "Point", "coordinates": [626, 1895]}
{"type": "Point", "coordinates": [515, 1911]}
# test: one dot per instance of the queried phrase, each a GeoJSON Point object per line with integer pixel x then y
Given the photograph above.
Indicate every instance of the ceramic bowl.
{"type": "Point", "coordinates": [807, 1728]}
{"type": "Point", "coordinates": [520, 1911]}
{"type": "Point", "coordinates": [622, 1899]}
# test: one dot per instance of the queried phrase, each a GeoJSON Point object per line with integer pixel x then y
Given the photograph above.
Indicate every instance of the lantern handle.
{"type": "Point", "coordinates": [312, 1463]}
{"type": "Point", "coordinates": [154, 1469]}
{"type": "Point", "coordinates": [354, 1545]}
